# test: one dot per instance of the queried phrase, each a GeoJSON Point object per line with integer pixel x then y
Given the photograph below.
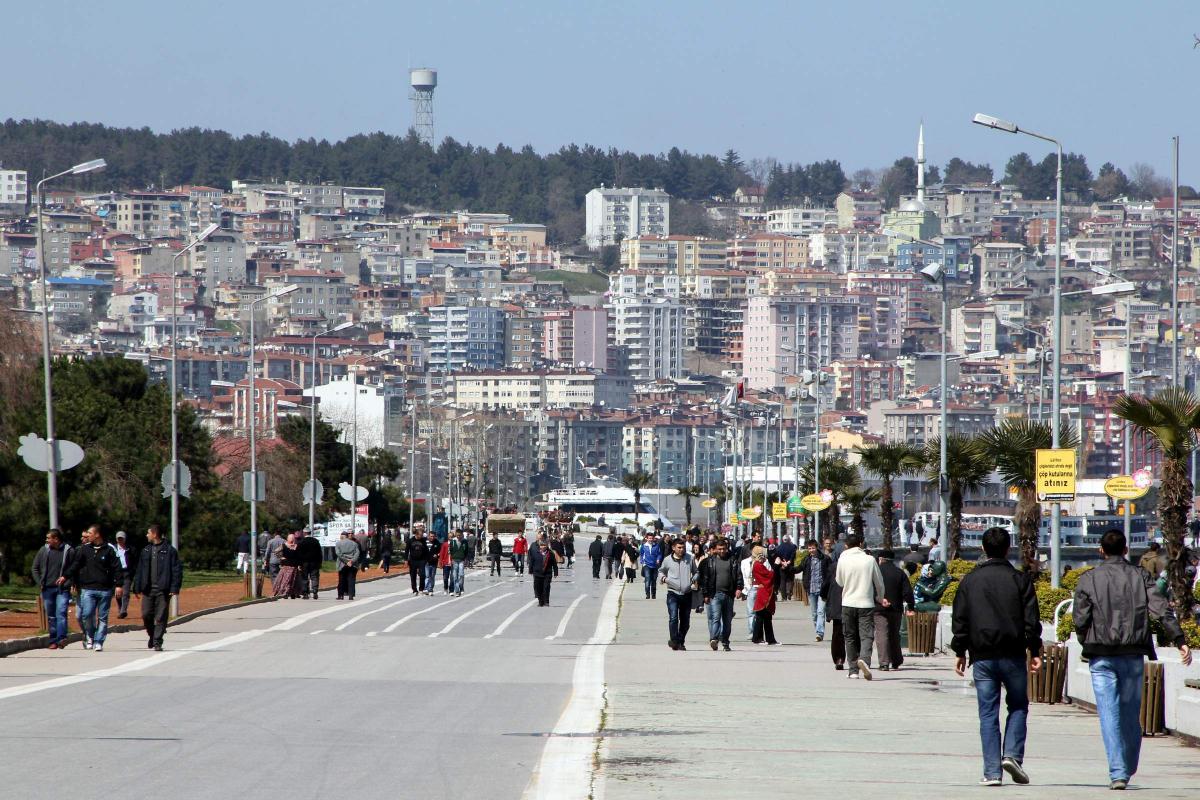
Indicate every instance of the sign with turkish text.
{"type": "Point", "coordinates": [1055, 475]}
{"type": "Point", "coordinates": [1123, 487]}
{"type": "Point", "coordinates": [815, 502]}
{"type": "Point", "coordinates": [779, 511]}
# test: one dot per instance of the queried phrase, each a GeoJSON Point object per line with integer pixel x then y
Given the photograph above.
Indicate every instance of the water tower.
{"type": "Point", "coordinates": [423, 82]}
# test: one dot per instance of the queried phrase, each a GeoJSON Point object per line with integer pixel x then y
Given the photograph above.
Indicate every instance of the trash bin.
{"type": "Point", "coordinates": [1046, 685]}
{"type": "Point", "coordinates": [922, 633]}
{"type": "Point", "coordinates": [246, 585]}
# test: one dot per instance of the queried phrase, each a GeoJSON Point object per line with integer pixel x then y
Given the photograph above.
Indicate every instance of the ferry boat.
{"type": "Point", "coordinates": [602, 498]}
{"type": "Point", "coordinates": [1074, 531]}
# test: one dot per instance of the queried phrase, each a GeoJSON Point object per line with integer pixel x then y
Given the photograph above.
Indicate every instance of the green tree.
{"type": "Point", "coordinates": [858, 502]}
{"type": "Point", "coordinates": [967, 470]}
{"type": "Point", "coordinates": [637, 481]}
{"type": "Point", "coordinates": [888, 461]}
{"type": "Point", "coordinates": [1110, 183]}
{"type": "Point", "coordinates": [688, 493]}
{"type": "Point", "coordinates": [898, 180]}
{"type": "Point", "coordinates": [961, 172]}
{"type": "Point", "coordinates": [1170, 420]}
{"type": "Point", "coordinates": [1012, 446]}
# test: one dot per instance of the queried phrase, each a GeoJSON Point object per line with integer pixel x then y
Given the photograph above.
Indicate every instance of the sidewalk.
{"type": "Point", "coordinates": [781, 722]}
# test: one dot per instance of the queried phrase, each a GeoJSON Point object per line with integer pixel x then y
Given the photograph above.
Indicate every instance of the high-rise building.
{"type": "Point", "coordinates": [788, 333]}
{"type": "Point", "coordinates": [616, 214]}
{"type": "Point", "coordinates": [651, 331]}
{"type": "Point", "coordinates": [468, 337]}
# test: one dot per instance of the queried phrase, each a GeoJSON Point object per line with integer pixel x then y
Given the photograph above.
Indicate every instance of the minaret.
{"type": "Point", "coordinates": [921, 164]}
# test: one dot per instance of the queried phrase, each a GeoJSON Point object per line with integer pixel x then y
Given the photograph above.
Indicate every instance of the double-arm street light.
{"type": "Point", "coordinates": [52, 451]}
{"type": "Point", "coordinates": [995, 123]}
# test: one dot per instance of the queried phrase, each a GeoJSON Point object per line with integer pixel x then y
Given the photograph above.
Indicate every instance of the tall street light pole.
{"type": "Point", "coordinates": [1175, 273]}
{"type": "Point", "coordinates": [43, 272]}
{"type": "Point", "coordinates": [1056, 334]}
{"type": "Point", "coordinates": [204, 234]}
{"type": "Point", "coordinates": [251, 414]}
{"type": "Point", "coordinates": [312, 435]}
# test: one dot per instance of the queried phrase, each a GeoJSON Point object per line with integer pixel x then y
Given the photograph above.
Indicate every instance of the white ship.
{"type": "Point", "coordinates": [605, 498]}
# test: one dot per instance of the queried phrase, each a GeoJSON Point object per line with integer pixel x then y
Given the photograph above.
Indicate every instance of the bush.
{"type": "Point", "coordinates": [585, 518]}
{"type": "Point", "coordinates": [948, 595]}
{"type": "Point", "coordinates": [1191, 631]}
{"type": "Point", "coordinates": [1071, 579]}
{"type": "Point", "coordinates": [1048, 599]}
{"type": "Point", "coordinates": [959, 567]}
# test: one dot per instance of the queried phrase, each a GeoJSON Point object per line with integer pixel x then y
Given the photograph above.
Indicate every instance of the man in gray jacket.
{"type": "Point", "coordinates": [1114, 604]}
{"type": "Point", "coordinates": [346, 551]}
{"type": "Point", "coordinates": [678, 572]}
{"type": "Point", "coordinates": [50, 568]}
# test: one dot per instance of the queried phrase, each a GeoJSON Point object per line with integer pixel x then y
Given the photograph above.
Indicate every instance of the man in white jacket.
{"type": "Point", "coordinates": [861, 581]}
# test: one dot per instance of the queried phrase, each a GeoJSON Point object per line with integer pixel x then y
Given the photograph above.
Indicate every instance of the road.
{"type": "Point", "coordinates": [391, 695]}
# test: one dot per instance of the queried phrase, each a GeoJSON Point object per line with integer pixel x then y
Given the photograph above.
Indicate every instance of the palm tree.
{"type": "Point", "coordinates": [688, 493]}
{"type": "Point", "coordinates": [837, 475]}
{"type": "Point", "coordinates": [1171, 418]}
{"type": "Point", "coordinates": [967, 470]}
{"type": "Point", "coordinates": [886, 461]}
{"type": "Point", "coordinates": [637, 481]}
{"type": "Point", "coordinates": [1011, 446]}
{"type": "Point", "coordinates": [858, 502]}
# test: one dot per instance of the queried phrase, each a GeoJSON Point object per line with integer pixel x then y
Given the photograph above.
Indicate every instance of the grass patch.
{"type": "Point", "coordinates": [575, 282]}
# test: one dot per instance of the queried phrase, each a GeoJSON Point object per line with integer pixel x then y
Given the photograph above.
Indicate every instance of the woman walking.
{"type": "Point", "coordinates": [764, 598]}
{"type": "Point", "coordinates": [285, 581]}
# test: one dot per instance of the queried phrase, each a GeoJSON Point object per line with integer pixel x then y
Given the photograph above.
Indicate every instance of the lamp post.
{"type": "Point", "coordinates": [1056, 335]}
{"type": "Point", "coordinates": [312, 434]}
{"type": "Point", "coordinates": [52, 451]}
{"type": "Point", "coordinates": [251, 415]}
{"type": "Point", "coordinates": [204, 234]}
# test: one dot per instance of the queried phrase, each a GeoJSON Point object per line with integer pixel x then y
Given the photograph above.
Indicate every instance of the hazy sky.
{"type": "Point", "coordinates": [797, 80]}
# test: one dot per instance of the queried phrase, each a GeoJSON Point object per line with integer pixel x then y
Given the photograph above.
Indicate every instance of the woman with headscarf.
{"type": "Point", "coordinates": [285, 583]}
{"type": "Point", "coordinates": [764, 597]}
{"type": "Point", "coordinates": [931, 586]}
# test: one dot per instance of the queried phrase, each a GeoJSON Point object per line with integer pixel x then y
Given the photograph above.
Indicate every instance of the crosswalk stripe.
{"type": "Point", "coordinates": [562, 626]}
{"type": "Point", "coordinates": [355, 619]}
{"type": "Point", "coordinates": [466, 614]}
{"type": "Point", "coordinates": [403, 620]}
{"type": "Point", "coordinates": [511, 619]}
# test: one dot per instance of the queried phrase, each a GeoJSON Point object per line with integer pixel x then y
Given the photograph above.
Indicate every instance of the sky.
{"type": "Point", "coordinates": [799, 81]}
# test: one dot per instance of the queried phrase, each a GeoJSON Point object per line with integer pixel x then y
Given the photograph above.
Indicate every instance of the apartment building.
{"type": "Point", "coordinates": [466, 338]}
{"type": "Point", "coordinates": [787, 332]}
{"type": "Point", "coordinates": [651, 331]}
{"type": "Point", "coordinates": [612, 215]}
{"type": "Point", "coordinates": [152, 215]}
{"type": "Point", "coordinates": [319, 296]}
{"type": "Point", "coordinates": [973, 328]}
{"type": "Point", "coordinates": [801, 221]}
{"type": "Point", "coordinates": [917, 426]}
{"type": "Point", "coordinates": [1001, 266]}
{"type": "Point", "coordinates": [858, 211]}
{"type": "Point", "coordinates": [677, 254]}
{"type": "Point", "coordinates": [768, 251]}
{"type": "Point", "coordinates": [14, 190]}
{"type": "Point", "coordinates": [526, 390]}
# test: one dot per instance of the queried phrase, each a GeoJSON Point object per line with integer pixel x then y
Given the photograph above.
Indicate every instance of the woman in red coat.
{"type": "Point", "coordinates": [445, 563]}
{"type": "Point", "coordinates": [764, 598]}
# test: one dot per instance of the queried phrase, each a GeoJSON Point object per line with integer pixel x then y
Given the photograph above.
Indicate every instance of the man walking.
{"type": "Point", "coordinates": [96, 570]}
{"type": "Point", "coordinates": [650, 554]}
{"type": "Point", "coordinates": [1114, 603]}
{"type": "Point", "coordinates": [519, 551]}
{"type": "Point", "coordinates": [51, 566]}
{"type": "Point", "coordinates": [242, 546]}
{"type": "Point", "coordinates": [816, 575]}
{"type": "Point", "coordinates": [596, 554]}
{"type": "Point", "coordinates": [271, 556]}
{"type": "Point", "coordinates": [785, 560]}
{"type": "Point", "coordinates": [899, 594]}
{"type": "Point", "coordinates": [308, 552]}
{"type": "Point", "coordinates": [495, 549]}
{"type": "Point", "coordinates": [417, 556]}
{"type": "Point", "coordinates": [129, 563]}
{"type": "Point", "coordinates": [678, 574]}
{"type": "Point", "coordinates": [608, 552]}
{"type": "Point", "coordinates": [159, 576]}
{"type": "Point", "coordinates": [543, 566]}
{"type": "Point", "coordinates": [996, 622]}
{"type": "Point", "coordinates": [858, 575]}
{"type": "Point", "coordinates": [459, 553]}
{"type": "Point", "coordinates": [720, 581]}
{"type": "Point", "coordinates": [387, 546]}
{"type": "Point", "coordinates": [346, 551]}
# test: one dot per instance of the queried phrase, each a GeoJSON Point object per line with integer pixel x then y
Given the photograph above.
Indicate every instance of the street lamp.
{"type": "Point", "coordinates": [52, 451]}
{"type": "Point", "coordinates": [204, 234]}
{"type": "Point", "coordinates": [251, 413]}
{"type": "Point", "coordinates": [312, 436]}
{"type": "Point", "coordinates": [995, 123]}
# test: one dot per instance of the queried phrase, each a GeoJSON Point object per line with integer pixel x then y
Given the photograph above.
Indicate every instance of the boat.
{"type": "Point", "coordinates": [1076, 532]}
{"type": "Point", "coordinates": [602, 497]}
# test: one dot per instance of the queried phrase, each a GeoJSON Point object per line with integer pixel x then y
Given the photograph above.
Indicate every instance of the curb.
{"type": "Point", "coordinates": [14, 646]}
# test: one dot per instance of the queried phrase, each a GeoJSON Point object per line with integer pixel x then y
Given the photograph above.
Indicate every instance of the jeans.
{"type": "Point", "coordinates": [648, 574]}
{"type": "Point", "coordinates": [1117, 682]}
{"type": "Point", "coordinates": [126, 593]}
{"type": "Point", "coordinates": [816, 604]}
{"type": "Point", "coordinates": [430, 575]}
{"type": "Point", "coordinates": [93, 610]}
{"type": "Point", "coordinates": [416, 575]}
{"type": "Point", "coordinates": [447, 581]}
{"type": "Point", "coordinates": [457, 575]}
{"type": "Point", "coordinates": [859, 627]}
{"type": "Point", "coordinates": [155, 608]}
{"type": "Point", "coordinates": [494, 565]}
{"type": "Point", "coordinates": [990, 674]}
{"type": "Point", "coordinates": [749, 595]}
{"type": "Point", "coordinates": [595, 566]}
{"type": "Point", "coordinates": [679, 615]}
{"type": "Point", "coordinates": [720, 617]}
{"type": "Point", "coordinates": [55, 600]}
{"type": "Point", "coordinates": [608, 570]}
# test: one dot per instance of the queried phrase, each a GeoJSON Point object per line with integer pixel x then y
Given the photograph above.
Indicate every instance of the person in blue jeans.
{"type": "Point", "coordinates": [1114, 603]}
{"type": "Point", "coordinates": [816, 574]}
{"type": "Point", "coordinates": [651, 556]}
{"type": "Point", "coordinates": [50, 567]}
{"type": "Point", "coordinates": [720, 582]}
{"type": "Point", "coordinates": [995, 619]}
{"type": "Point", "coordinates": [96, 570]}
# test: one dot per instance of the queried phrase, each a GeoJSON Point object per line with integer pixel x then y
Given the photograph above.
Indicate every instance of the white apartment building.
{"type": "Point", "coordinates": [152, 215]}
{"type": "Point", "coordinates": [785, 333]}
{"type": "Point", "coordinates": [848, 251]}
{"type": "Point", "coordinates": [616, 214]}
{"type": "Point", "coordinates": [14, 189]}
{"type": "Point", "coordinates": [530, 391]}
{"type": "Point", "coordinates": [801, 221]}
{"type": "Point", "coordinates": [364, 200]}
{"type": "Point", "coordinates": [973, 328]}
{"type": "Point", "coordinates": [652, 331]}
{"type": "Point", "coordinates": [1001, 266]}
{"type": "Point", "coordinates": [643, 282]}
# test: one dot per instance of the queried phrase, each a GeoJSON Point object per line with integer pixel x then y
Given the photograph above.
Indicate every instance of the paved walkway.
{"type": "Point", "coordinates": [781, 722]}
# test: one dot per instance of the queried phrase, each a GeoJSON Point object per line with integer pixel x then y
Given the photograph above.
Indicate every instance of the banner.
{"type": "Point", "coordinates": [1055, 474]}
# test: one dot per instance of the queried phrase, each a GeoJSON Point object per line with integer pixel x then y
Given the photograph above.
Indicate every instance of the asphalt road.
{"type": "Point", "coordinates": [389, 696]}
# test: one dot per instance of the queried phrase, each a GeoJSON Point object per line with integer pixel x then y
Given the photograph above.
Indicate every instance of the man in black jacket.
{"type": "Point", "coordinates": [416, 556]}
{"type": "Point", "coordinates": [159, 575]}
{"type": "Point", "coordinates": [495, 550]}
{"type": "Point", "coordinates": [96, 570]}
{"type": "Point", "coordinates": [816, 575]}
{"type": "Point", "coordinates": [899, 594]}
{"type": "Point", "coordinates": [543, 566]}
{"type": "Point", "coordinates": [308, 552]}
{"type": "Point", "coordinates": [596, 554]}
{"type": "Point", "coordinates": [996, 620]}
{"type": "Point", "coordinates": [721, 583]}
{"type": "Point", "coordinates": [1114, 603]}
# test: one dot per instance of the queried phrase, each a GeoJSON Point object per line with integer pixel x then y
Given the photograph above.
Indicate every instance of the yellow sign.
{"type": "Point", "coordinates": [1123, 487]}
{"type": "Point", "coordinates": [778, 511]}
{"type": "Point", "coordinates": [1121, 509]}
{"type": "Point", "coordinates": [1055, 475]}
{"type": "Point", "coordinates": [751, 513]}
{"type": "Point", "coordinates": [814, 502]}
{"type": "Point", "coordinates": [733, 520]}
{"type": "Point", "coordinates": [709, 503]}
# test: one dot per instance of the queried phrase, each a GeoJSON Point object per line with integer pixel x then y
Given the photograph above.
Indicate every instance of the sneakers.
{"type": "Point", "coordinates": [853, 676]}
{"type": "Point", "coordinates": [712, 643]}
{"type": "Point", "coordinates": [87, 643]}
{"type": "Point", "coordinates": [671, 644]}
{"type": "Point", "coordinates": [864, 669]}
{"type": "Point", "coordinates": [98, 647]}
{"type": "Point", "coordinates": [884, 667]}
{"type": "Point", "coordinates": [1118, 785]}
{"type": "Point", "coordinates": [820, 637]}
{"type": "Point", "coordinates": [1014, 770]}
{"type": "Point", "coordinates": [727, 648]}
{"type": "Point", "coordinates": [54, 646]}
{"type": "Point", "coordinates": [990, 782]}
{"type": "Point", "coordinates": [158, 648]}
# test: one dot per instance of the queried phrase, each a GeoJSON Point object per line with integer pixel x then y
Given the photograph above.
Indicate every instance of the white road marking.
{"type": "Point", "coordinates": [355, 619]}
{"type": "Point", "coordinates": [564, 771]}
{"type": "Point", "coordinates": [463, 616]}
{"type": "Point", "coordinates": [511, 618]}
{"type": "Point", "coordinates": [562, 626]}
{"type": "Point", "coordinates": [314, 633]}
{"type": "Point", "coordinates": [403, 620]}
